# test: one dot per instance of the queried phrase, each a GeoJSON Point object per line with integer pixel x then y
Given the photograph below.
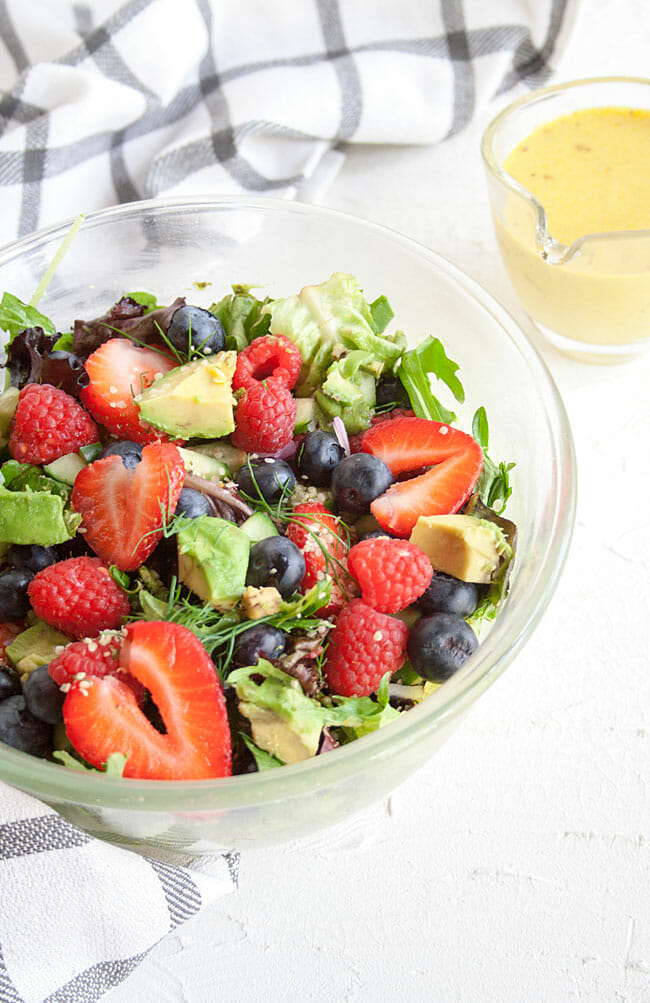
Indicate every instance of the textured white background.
{"type": "Point", "coordinates": [515, 866]}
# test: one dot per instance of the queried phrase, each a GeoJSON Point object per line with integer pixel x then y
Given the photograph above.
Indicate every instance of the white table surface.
{"type": "Point", "coordinates": [515, 866]}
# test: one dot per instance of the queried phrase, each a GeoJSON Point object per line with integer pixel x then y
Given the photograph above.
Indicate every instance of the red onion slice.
{"type": "Point", "coordinates": [341, 433]}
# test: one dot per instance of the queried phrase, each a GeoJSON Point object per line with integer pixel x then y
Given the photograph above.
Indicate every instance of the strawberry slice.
{"type": "Point", "coordinates": [119, 370]}
{"type": "Point", "coordinates": [102, 716]}
{"type": "Point", "coordinates": [124, 509]}
{"type": "Point", "coordinates": [412, 443]}
{"type": "Point", "coordinates": [321, 538]}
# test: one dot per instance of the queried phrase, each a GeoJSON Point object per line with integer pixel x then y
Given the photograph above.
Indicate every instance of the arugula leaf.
{"type": "Point", "coordinates": [147, 300]}
{"type": "Point", "coordinates": [16, 316]}
{"type": "Point", "coordinates": [494, 481]}
{"type": "Point", "coordinates": [64, 343]}
{"type": "Point", "coordinates": [25, 477]}
{"type": "Point", "coordinates": [382, 313]}
{"type": "Point", "coordinates": [415, 369]}
{"type": "Point", "coordinates": [263, 759]}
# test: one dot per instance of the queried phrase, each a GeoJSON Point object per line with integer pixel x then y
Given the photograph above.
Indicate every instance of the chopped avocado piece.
{"type": "Point", "coordinates": [288, 724]}
{"type": "Point", "coordinates": [8, 405]}
{"type": "Point", "coordinates": [275, 736]}
{"type": "Point", "coordinates": [65, 468]}
{"type": "Point", "coordinates": [213, 560]}
{"type": "Point", "coordinates": [258, 526]}
{"type": "Point", "coordinates": [225, 452]}
{"type": "Point", "coordinates": [35, 517]}
{"type": "Point", "coordinates": [461, 545]}
{"type": "Point", "coordinates": [35, 646]}
{"type": "Point", "coordinates": [194, 399]}
{"type": "Point", "coordinates": [203, 465]}
{"type": "Point", "coordinates": [258, 602]}
{"type": "Point", "coordinates": [284, 721]}
{"type": "Point", "coordinates": [324, 322]}
{"type": "Point", "coordinates": [305, 415]}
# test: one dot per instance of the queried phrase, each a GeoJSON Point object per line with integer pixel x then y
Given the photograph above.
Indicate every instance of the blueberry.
{"type": "Point", "coordinates": [321, 452]}
{"type": "Point", "coordinates": [192, 504]}
{"type": "Point", "coordinates": [43, 697]}
{"type": "Point", "coordinates": [277, 562]}
{"type": "Point", "coordinates": [439, 645]}
{"type": "Point", "coordinates": [130, 452]}
{"type": "Point", "coordinates": [446, 594]}
{"type": "Point", "coordinates": [390, 390]}
{"type": "Point", "coordinates": [375, 534]}
{"type": "Point", "coordinates": [164, 560]}
{"type": "Point", "coordinates": [14, 601]}
{"type": "Point", "coordinates": [31, 556]}
{"type": "Point", "coordinates": [358, 480]}
{"type": "Point", "coordinates": [267, 478]}
{"type": "Point", "coordinates": [259, 641]}
{"type": "Point", "coordinates": [9, 683]}
{"type": "Point", "coordinates": [191, 327]}
{"type": "Point", "coordinates": [20, 729]}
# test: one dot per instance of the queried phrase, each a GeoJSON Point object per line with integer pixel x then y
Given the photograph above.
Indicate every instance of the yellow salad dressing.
{"type": "Point", "coordinates": [590, 171]}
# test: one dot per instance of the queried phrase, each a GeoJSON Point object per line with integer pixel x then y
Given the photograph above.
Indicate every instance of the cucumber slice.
{"type": "Point", "coordinates": [203, 465]}
{"type": "Point", "coordinates": [258, 527]}
{"type": "Point", "coordinates": [65, 468]}
{"type": "Point", "coordinates": [305, 414]}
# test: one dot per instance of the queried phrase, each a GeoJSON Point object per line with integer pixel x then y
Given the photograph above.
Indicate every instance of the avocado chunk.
{"type": "Point", "coordinates": [8, 405]}
{"type": "Point", "coordinates": [194, 399]}
{"type": "Point", "coordinates": [65, 468]}
{"type": "Point", "coordinates": [203, 465]}
{"type": "Point", "coordinates": [213, 560]}
{"type": "Point", "coordinates": [35, 517]}
{"type": "Point", "coordinates": [258, 527]}
{"type": "Point", "coordinates": [277, 737]}
{"type": "Point", "coordinates": [35, 646]}
{"type": "Point", "coordinates": [461, 545]}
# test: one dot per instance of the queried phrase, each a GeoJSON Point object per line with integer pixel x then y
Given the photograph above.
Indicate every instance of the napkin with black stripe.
{"type": "Point", "coordinates": [77, 914]}
{"type": "Point", "coordinates": [104, 102]}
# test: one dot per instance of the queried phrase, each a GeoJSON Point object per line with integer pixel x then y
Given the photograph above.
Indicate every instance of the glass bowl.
{"type": "Point", "coordinates": [590, 298]}
{"type": "Point", "coordinates": [174, 247]}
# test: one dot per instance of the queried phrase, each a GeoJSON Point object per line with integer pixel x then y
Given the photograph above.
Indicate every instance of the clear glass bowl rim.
{"type": "Point", "coordinates": [495, 653]}
{"type": "Point", "coordinates": [553, 251]}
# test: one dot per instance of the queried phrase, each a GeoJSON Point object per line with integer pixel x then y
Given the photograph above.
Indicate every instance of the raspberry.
{"type": "Point", "coordinates": [322, 540]}
{"type": "Point", "coordinates": [273, 355]}
{"type": "Point", "coordinates": [392, 573]}
{"type": "Point", "coordinates": [97, 658]}
{"type": "Point", "coordinates": [48, 423]}
{"type": "Point", "coordinates": [364, 645]}
{"type": "Point", "coordinates": [265, 418]}
{"type": "Point", "coordinates": [78, 597]}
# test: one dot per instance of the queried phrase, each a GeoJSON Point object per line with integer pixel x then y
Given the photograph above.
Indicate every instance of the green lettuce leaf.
{"type": "Point", "coordinates": [263, 760]}
{"type": "Point", "coordinates": [242, 316]}
{"type": "Point", "coordinates": [16, 316]}
{"type": "Point", "coordinates": [328, 320]}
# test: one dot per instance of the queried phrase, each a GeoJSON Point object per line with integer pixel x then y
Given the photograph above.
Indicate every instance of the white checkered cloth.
{"type": "Point", "coordinates": [106, 103]}
{"type": "Point", "coordinates": [76, 914]}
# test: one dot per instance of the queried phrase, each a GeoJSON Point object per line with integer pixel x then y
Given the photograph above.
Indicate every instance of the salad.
{"type": "Point", "coordinates": [234, 538]}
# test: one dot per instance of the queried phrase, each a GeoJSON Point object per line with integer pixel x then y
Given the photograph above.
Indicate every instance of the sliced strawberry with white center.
{"type": "Point", "coordinates": [123, 508]}
{"type": "Point", "coordinates": [118, 371]}
{"type": "Point", "coordinates": [407, 444]}
{"type": "Point", "coordinates": [101, 716]}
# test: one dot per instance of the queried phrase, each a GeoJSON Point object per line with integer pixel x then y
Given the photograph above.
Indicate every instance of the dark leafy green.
{"type": "Point", "coordinates": [494, 482]}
